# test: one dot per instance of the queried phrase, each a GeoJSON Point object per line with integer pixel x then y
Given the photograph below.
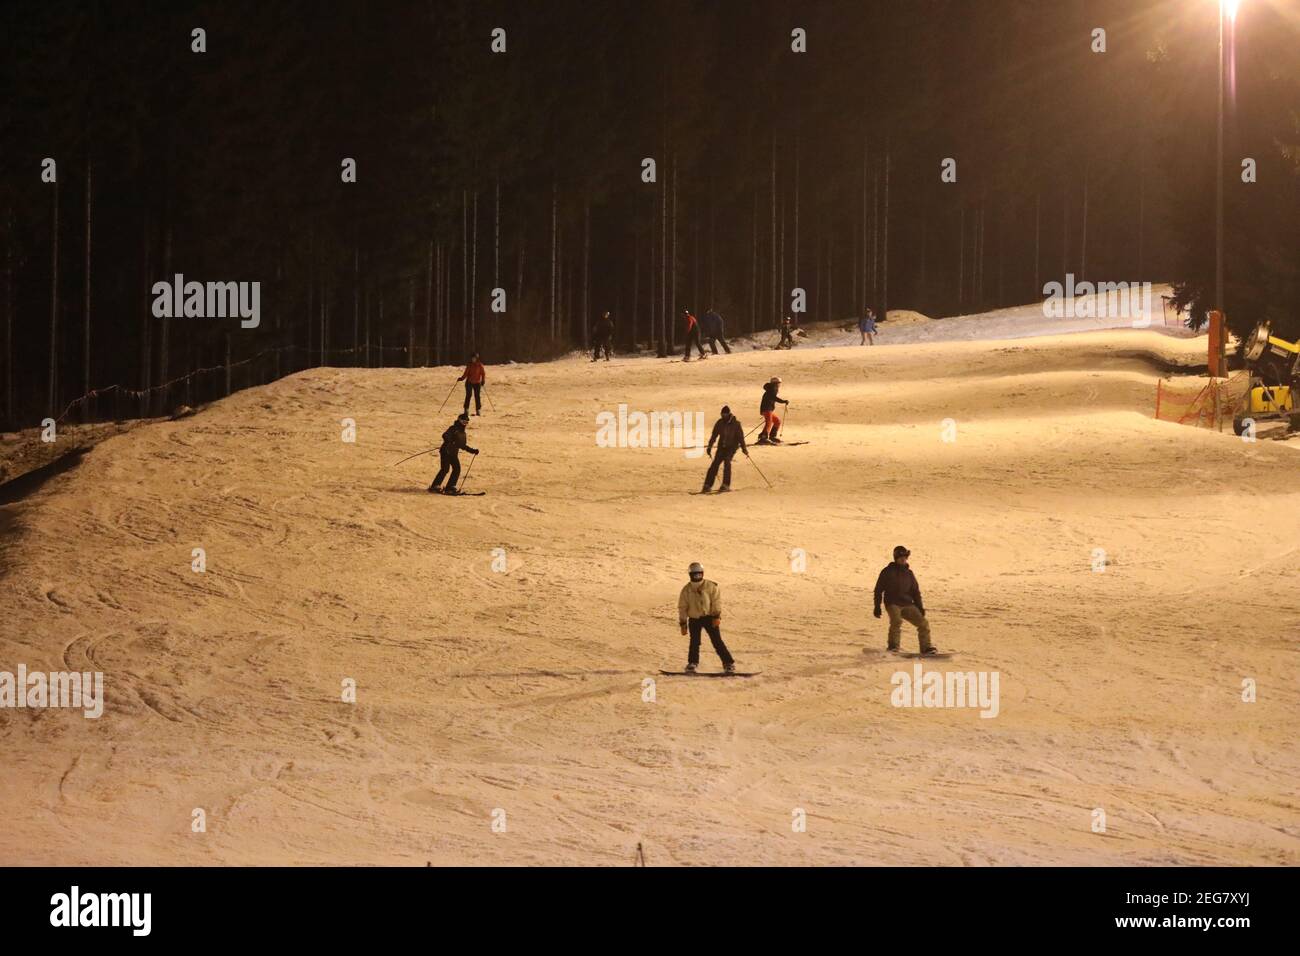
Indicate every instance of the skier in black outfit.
{"type": "Point", "coordinates": [711, 329]}
{"type": "Point", "coordinates": [767, 408]}
{"type": "Point", "coordinates": [602, 337]}
{"type": "Point", "coordinates": [453, 441]}
{"type": "Point", "coordinates": [730, 437]}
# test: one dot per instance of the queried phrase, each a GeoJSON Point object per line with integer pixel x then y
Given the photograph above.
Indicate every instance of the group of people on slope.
{"type": "Point", "coordinates": [699, 610]}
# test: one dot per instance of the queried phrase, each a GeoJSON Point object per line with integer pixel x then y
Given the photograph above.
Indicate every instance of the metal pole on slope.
{"type": "Point", "coordinates": [449, 391]}
{"type": "Point", "coordinates": [759, 470]}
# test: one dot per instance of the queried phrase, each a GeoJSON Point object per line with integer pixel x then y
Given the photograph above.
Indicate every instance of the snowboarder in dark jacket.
{"type": "Point", "coordinates": [897, 586]}
{"type": "Point", "coordinates": [767, 408]}
{"type": "Point", "coordinates": [602, 337]}
{"type": "Point", "coordinates": [453, 442]}
{"type": "Point", "coordinates": [711, 329]}
{"type": "Point", "coordinates": [729, 436]}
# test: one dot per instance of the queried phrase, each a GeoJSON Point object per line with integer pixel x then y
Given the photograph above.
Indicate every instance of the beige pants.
{"type": "Point", "coordinates": [897, 615]}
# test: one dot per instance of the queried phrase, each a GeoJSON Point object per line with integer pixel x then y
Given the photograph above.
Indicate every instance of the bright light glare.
{"type": "Point", "coordinates": [1230, 8]}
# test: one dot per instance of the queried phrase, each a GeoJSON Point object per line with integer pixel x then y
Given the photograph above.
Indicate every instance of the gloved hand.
{"type": "Point", "coordinates": [683, 630]}
{"type": "Point", "coordinates": [876, 612]}
{"type": "Point", "coordinates": [717, 621]}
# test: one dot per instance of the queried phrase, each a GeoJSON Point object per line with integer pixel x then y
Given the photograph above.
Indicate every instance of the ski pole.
{"type": "Point", "coordinates": [449, 391]}
{"type": "Point", "coordinates": [409, 457]}
{"type": "Point", "coordinates": [759, 470]}
{"type": "Point", "coordinates": [465, 481]}
{"type": "Point", "coordinates": [489, 398]}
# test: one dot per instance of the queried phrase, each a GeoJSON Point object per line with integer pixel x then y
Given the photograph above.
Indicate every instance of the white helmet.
{"type": "Point", "coordinates": [696, 568]}
{"type": "Point", "coordinates": [776, 380]}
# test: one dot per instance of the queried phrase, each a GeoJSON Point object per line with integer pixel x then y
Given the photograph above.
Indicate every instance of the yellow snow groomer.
{"type": "Point", "coordinates": [1273, 365]}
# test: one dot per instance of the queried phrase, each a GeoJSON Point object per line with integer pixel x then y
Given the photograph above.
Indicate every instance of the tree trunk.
{"type": "Point", "coordinates": [672, 266]}
{"type": "Point", "coordinates": [9, 317]}
{"type": "Point", "coordinates": [428, 309]}
{"type": "Point", "coordinates": [961, 262]}
{"type": "Point", "coordinates": [356, 300]}
{"type": "Point", "coordinates": [54, 308]}
{"type": "Point", "coordinates": [884, 244]}
{"type": "Point", "coordinates": [586, 262]}
{"type": "Point", "coordinates": [85, 349]}
{"type": "Point", "coordinates": [473, 284]}
{"type": "Point", "coordinates": [1083, 241]}
{"type": "Point", "coordinates": [775, 301]}
{"type": "Point", "coordinates": [1038, 231]}
{"type": "Point", "coordinates": [554, 240]}
{"type": "Point", "coordinates": [464, 268]}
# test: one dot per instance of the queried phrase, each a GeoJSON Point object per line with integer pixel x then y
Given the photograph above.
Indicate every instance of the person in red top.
{"type": "Point", "coordinates": [692, 336]}
{"type": "Point", "coordinates": [474, 377]}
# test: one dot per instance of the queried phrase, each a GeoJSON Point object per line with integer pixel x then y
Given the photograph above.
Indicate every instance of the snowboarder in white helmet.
{"type": "Point", "coordinates": [699, 608]}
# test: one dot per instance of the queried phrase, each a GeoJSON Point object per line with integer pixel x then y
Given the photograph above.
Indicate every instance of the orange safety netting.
{"type": "Point", "coordinates": [1205, 402]}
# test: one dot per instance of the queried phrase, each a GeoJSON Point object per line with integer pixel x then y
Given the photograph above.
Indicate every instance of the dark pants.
{"type": "Point", "coordinates": [787, 340]}
{"type": "Point", "coordinates": [603, 345]}
{"type": "Point", "coordinates": [450, 462]}
{"type": "Point", "coordinates": [696, 624]}
{"type": "Point", "coordinates": [475, 389]}
{"type": "Point", "coordinates": [721, 457]}
{"type": "Point", "coordinates": [713, 344]}
{"type": "Point", "coordinates": [693, 338]}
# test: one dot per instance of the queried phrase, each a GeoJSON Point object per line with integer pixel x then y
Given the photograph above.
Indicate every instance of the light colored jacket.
{"type": "Point", "coordinates": [699, 600]}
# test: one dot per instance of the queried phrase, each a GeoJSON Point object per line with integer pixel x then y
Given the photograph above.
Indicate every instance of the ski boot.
{"type": "Point", "coordinates": [930, 652]}
{"type": "Point", "coordinates": [724, 488]}
{"type": "Point", "coordinates": [763, 440]}
{"type": "Point", "coordinates": [435, 489]}
{"type": "Point", "coordinates": [773, 440]}
{"type": "Point", "coordinates": [690, 668]}
{"type": "Point", "coordinates": [729, 668]}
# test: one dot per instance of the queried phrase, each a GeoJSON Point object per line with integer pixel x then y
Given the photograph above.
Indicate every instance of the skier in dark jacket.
{"type": "Point", "coordinates": [729, 437]}
{"type": "Point", "coordinates": [711, 329]}
{"type": "Point", "coordinates": [453, 442]}
{"type": "Point", "coordinates": [787, 335]}
{"type": "Point", "coordinates": [602, 337]}
{"type": "Point", "coordinates": [897, 586]}
{"type": "Point", "coordinates": [767, 408]}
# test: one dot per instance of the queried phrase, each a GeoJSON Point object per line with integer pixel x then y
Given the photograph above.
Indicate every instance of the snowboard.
{"type": "Point", "coordinates": [783, 444]}
{"type": "Point", "coordinates": [910, 655]}
{"type": "Point", "coordinates": [462, 494]}
{"type": "Point", "coordinates": [710, 674]}
{"type": "Point", "coordinates": [727, 492]}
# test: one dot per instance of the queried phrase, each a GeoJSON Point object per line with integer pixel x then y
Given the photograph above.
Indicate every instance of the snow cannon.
{"type": "Point", "coordinates": [1273, 367]}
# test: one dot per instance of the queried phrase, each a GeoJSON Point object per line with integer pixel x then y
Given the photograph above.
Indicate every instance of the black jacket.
{"type": "Point", "coordinates": [770, 398]}
{"type": "Point", "coordinates": [711, 325]}
{"type": "Point", "coordinates": [729, 436]}
{"type": "Point", "coordinates": [453, 440]}
{"type": "Point", "coordinates": [897, 584]}
{"type": "Point", "coordinates": [603, 329]}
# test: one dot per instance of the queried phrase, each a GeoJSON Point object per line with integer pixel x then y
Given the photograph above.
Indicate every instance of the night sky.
{"type": "Point", "coordinates": [775, 169]}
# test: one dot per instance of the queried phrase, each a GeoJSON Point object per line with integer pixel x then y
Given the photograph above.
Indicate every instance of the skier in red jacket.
{"type": "Point", "coordinates": [474, 377]}
{"type": "Point", "coordinates": [692, 336]}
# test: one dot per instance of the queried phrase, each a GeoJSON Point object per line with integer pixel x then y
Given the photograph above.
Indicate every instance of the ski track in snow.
{"type": "Point", "coordinates": [522, 691]}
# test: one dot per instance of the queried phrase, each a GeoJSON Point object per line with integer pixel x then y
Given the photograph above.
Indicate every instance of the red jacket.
{"type": "Point", "coordinates": [474, 373]}
{"type": "Point", "coordinates": [690, 321]}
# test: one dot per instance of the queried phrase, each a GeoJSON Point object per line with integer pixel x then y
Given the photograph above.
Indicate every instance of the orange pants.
{"type": "Point", "coordinates": [772, 423]}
